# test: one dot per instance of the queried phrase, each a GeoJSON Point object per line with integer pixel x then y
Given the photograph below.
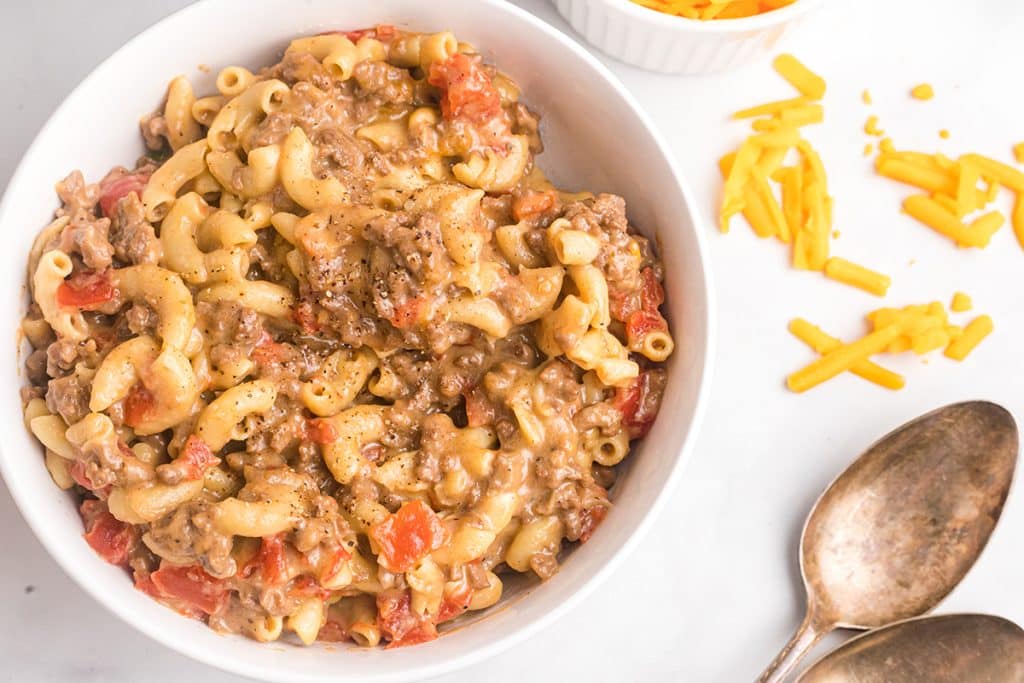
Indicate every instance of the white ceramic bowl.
{"type": "Point", "coordinates": [596, 138]}
{"type": "Point", "coordinates": [670, 44]}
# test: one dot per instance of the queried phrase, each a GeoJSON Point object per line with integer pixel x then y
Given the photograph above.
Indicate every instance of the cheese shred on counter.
{"type": "Point", "coordinates": [920, 329]}
{"type": "Point", "coordinates": [777, 181]}
{"type": "Point", "coordinates": [954, 189]}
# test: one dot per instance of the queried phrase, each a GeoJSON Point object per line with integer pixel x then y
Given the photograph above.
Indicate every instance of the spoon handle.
{"type": "Point", "coordinates": [806, 637]}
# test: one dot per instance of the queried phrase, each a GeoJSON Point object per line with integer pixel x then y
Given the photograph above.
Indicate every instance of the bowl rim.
{"type": "Point", "coordinates": [239, 666]}
{"type": "Point", "coordinates": [674, 22]}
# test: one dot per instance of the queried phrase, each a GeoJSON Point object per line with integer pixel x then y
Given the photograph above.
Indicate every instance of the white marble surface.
{"type": "Point", "coordinates": [713, 591]}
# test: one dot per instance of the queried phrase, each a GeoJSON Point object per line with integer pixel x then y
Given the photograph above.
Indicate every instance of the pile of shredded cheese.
{"type": "Point", "coordinates": [803, 218]}
{"type": "Point", "coordinates": [952, 190]}
{"type": "Point", "coordinates": [920, 329]}
{"type": "Point", "coordinates": [953, 200]}
{"type": "Point", "coordinates": [714, 9]}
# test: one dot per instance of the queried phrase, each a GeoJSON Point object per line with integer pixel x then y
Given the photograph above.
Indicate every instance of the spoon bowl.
{"type": "Point", "coordinates": [945, 649]}
{"type": "Point", "coordinates": [899, 529]}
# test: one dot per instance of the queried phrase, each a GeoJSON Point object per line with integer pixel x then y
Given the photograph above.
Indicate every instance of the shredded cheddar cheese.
{"type": "Point", "coordinates": [777, 181]}
{"type": "Point", "coordinates": [961, 303]}
{"type": "Point", "coordinates": [926, 177]}
{"type": "Point", "coordinates": [920, 329]}
{"type": "Point", "coordinates": [823, 343]}
{"type": "Point", "coordinates": [1018, 152]}
{"type": "Point", "coordinates": [799, 76]}
{"type": "Point", "coordinates": [788, 201]}
{"type": "Point", "coordinates": [945, 222]}
{"type": "Point", "coordinates": [922, 92]}
{"type": "Point", "coordinates": [803, 115]}
{"type": "Point", "coordinates": [871, 127]}
{"type": "Point", "coordinates": [769, 108]}
{"type": "Point", "coordinates": [976, 330]}
{"type": "Point", "coordinates": [844, 271]}
{"type": "Point", "coordinates": [707, 10]}
{"type": "Point", "coordinates": [948, 203]}
{"type": "Point", "coordinates": [1007, 176]}
{"type": "Point", "coordinates": [955, 188]}
{"type": "Point", "coordinates": [842, 358]}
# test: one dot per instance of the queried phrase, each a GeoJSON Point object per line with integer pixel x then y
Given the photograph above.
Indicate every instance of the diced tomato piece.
{"type": "Point", "coordinates": [307, 587]}
{"type": "Point", "coordinates": [79, 474]}
{"type": "Point", "coordinates": [624, 304]}
{"type": "Point", "coordinates": [265, 339]}
{"type": "Point", "coordinates": [454, 604]}
{"type": "Point", "coordinates": [592, 519]}
{"type": "Point", "coordinates": [111, 538]}
{"type": "Point", "coordinates": [268, 352]}
{"type": "Point", "coordinates": [633, 403]}
{"type": "Point", "coordinates": [321, 431]}
{"type": "Point", "coordinates": [305, 317]}
{"type": "Point", "coordinates": [354, 36]}
{"type": "Point", "coordinates": [386, 32]}
{"type": "Point", "coordinates": [648, 318]}
{"type": "Point", "coordinates": [424, 633]}
{"type": "Point", "coordinates": [333, 562]}
{"type": "Point", "coordinates": [640, 324]}
{"type": "Point", "coordinates": [479, 411]}
{"type": "Point", "coordinates": [114, 191]}
{"type": "Point", "coordinates": [325, 561]}
{"type": "Point", "coordinates": [90, 510]}
{"type": "Point", "coordinates": [271, 559]}
{"type": "Point", "coordinates": [244, 551]}
{"type": "Point", "coordinates": [86, 289]}
{"type": "Point", "coordinates": [532, 203]}
{"type": "Point", "coordinates": [397, 622]}
{"type": "Point", "coordinates": [332, 632]}
{"type": "Point", "coordinates": [144, 583]}
{"type": "Point", "coordinates": [652, 294]}
{"type": "Point", "coordinates": [138, 404]}
{"type": "Point", "coordinates": [193, 586]}
{"type": "Point", "coordinates": [408, 535]}
{"type": "Point", "coordinates": [407, 313]}
{"type": "Point", "coordinates": [621, 304]}
{"type": "Point", "coordinates": [195, 458]}
{"type": "Point", "coordinates": [382, 32]}
{"type": "Point", "coordinates": [466, 89]}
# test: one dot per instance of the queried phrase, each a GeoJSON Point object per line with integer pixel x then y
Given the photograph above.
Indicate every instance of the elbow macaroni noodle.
{"type": "Point", "coordinates": [353, 348]}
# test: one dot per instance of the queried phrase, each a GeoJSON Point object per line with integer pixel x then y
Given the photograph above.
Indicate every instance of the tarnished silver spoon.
{"type": "Point", "coordinates": [952, 648]}
{"type": "Point", "coordinates": [899, 529]}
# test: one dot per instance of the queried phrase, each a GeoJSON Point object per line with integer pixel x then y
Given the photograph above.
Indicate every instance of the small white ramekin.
{"type": "Point", "coordinates": [671, 44]}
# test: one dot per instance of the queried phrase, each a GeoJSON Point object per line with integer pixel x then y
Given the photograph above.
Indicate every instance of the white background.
{"type": "Point", "coordinates": [714, 590]}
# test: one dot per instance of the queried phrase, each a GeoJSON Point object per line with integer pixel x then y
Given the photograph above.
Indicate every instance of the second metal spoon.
{"type": "Point", "coordinates": [899, 529]}
{"type": "Point", "coordinates": [952, 648]}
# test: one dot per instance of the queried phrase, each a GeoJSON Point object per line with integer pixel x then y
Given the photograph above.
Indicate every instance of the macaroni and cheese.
{"type": "Point", "coordinates": [334, 356]}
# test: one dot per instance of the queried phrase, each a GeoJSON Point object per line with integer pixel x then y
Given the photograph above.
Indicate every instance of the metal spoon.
{"type": "Point", "coordinates": [952, 648]}
{"type": "Point", "coordinates": [898, 530]}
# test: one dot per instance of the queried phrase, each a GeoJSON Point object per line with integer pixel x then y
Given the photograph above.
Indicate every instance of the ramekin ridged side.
{"type": "Point", "coordinates": [668, 44]}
